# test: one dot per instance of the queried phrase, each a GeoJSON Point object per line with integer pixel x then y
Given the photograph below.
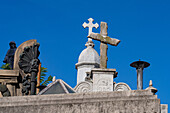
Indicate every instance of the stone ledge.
{"type": "Point", "coordinates": [9, 76]}
{"type": "Point", "coordinates": [77, 98]}
{"type": "Point", "coordinates": [94, 102]}
{"type": "Point", "coordinates": [9, 73]}
{"type": "Point", "coordinates": [103, 70]}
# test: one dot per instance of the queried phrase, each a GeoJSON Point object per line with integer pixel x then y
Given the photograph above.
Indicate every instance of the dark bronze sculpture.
{"type": "Point", "coordinates": [29, 63]}
{"type": "Point", "coordinates": [26, 85]}
{"type": "Point", "coordinates": [4, 91]}
{"type": "Point", "coordinates": [9, 58]}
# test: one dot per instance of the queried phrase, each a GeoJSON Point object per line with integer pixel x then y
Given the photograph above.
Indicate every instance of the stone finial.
{"type": "Point", "coordinates": [153, 90]}
{"type": "Point", "coordinates": [54, 79]}
{"type": "Point", "coordinates": [150, 83]}
{"type": "Point", "coordinates": [89, 44]}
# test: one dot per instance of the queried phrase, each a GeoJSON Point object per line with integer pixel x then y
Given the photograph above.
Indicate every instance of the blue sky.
{"type": "Point", "coordinates": [143, 26]}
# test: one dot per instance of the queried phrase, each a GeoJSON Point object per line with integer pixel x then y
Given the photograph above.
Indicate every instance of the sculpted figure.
{"type": "Point", "coordinates": [29, 63]}
{"type": "Point", "coordinates": [4, 90]}
{"type": "Point", "coordinates": [9, 58]}
{"type": "Point", "coordinates": [26, 85]}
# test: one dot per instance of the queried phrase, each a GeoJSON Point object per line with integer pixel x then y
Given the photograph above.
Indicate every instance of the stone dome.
{"type": "Point", "coordinates": [88, 59]}
{"type": "Point", "coordinates": [89, 55]}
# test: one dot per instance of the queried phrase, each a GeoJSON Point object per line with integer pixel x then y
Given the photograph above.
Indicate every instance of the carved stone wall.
{"type": "Point", "coordinates": [103, 79]}
{"type": "Point", "coordinates": [95, 102]}
{"type": "Point", "coordinates": [84, 87]}
{"type": "Point", "coordinates": [121, 87]}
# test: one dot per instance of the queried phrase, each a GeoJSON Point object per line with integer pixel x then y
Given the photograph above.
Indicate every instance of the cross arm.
{"type": "Point", "coordinates": [85, 25]}
{"type": "Point", "coordinates": [104, 39]}
{"type": "Point", "coordinates": [96, 25]}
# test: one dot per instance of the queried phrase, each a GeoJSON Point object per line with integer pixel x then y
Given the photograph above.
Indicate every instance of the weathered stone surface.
{"type": "Point", "coordinates": [19, 50]}
{"type": "Point", "coordinates": [121, 87]}
{"type": "Point", "coordinates": [10, 78]}
{"type": "Point", "coordinates": [84, 87]}
{"type": "Point", "coordinates": [29, 64]}
{"type": "Point", "coordinates": [104, 39]}
{"type": "Point", "coordinates": [88, 59]}
{"type": "Point", "coordinates": [57, 87]}
{"type": "Point", "coordinates": [151, 88]}
{"type": "Point", "coordinates": [164, 108]}
{"type": "Point", "coordinates": [103, 79]}
{"type": "Point", "coordinates": [97, 102]}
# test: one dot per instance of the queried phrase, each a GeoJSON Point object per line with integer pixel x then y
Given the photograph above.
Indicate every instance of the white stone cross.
{"type": "Point", "coordinates": [90, 25]}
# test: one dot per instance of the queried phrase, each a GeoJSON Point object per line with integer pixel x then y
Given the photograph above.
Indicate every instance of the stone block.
{"type": "Point", "coordinates": [10, 78]}
{"type": "Point", "coordinates": [103, 79]}
{"type": "Point", "coordinates": [164, 108]}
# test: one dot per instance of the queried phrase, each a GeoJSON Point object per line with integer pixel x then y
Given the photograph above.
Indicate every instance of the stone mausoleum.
{"type": "Point", "coordinates": [95, 92]}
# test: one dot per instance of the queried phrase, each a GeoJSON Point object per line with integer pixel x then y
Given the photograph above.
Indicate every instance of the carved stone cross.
{"type": "Point", "coordinates": [90, 25]}
{"type": "Point", "coordinates": [104, 39]}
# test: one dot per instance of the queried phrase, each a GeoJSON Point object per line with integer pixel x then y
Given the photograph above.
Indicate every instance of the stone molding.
{"type": "Point", "coordinates": [104, 71]}
{"type": "Point", "coordinates": [86, 64]}
{"type": "Point", "coordinates": [121, 87]}
{"type": "Point", "coordinates": [94, 102]}
{"type": "Point", "coordinates": [9, 76]}
{"type": "Point", "coordinates": [84, 87]}
{"type": "Point", "coordinates": [76, 98]}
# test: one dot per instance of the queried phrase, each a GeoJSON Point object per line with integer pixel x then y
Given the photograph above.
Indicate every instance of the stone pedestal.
{"type": "Point", "coordinates": [9, 77]}
{"type": "Point", "coordinates": [103, 79]}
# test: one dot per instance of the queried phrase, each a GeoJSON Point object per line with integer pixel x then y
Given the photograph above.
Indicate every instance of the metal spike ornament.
{"type": "Point", "coordinates": [29, 63]}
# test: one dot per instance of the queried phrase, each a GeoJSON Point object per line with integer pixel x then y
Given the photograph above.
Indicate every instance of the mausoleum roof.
{"type": "Point", "coordinates": [57, 87]}
{"type": "Point", "coordinates": [89, 55]}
